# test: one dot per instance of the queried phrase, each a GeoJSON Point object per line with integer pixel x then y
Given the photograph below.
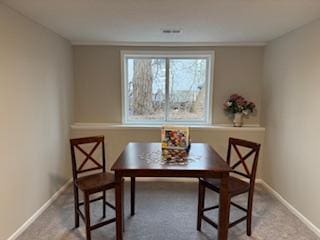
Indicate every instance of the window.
{"type": "Point", "coordinates": [166, 87]}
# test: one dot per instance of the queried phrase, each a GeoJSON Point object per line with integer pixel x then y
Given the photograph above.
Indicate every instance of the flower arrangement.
{"type": "Point", "coordinates": [238, 104]}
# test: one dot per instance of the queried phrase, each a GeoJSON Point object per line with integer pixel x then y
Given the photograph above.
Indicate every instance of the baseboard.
{"type": "Point", "coordinates": [24, 226]}
{"type": "Point", "coordinates": [292, 209]}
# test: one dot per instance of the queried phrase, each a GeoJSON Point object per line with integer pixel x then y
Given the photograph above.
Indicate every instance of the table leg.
{"type": "Point", "coordinates": [119, 207]}
{"type": "Point", "coordinates": [201, 198]}
{"type": "Point", "coordinates": [224, 209]}
{"type": "Point", "coordinates": [133, 191]}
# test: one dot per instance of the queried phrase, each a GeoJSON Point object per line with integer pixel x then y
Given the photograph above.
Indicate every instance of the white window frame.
{"type": "Point", "coordinates": [209, 55]}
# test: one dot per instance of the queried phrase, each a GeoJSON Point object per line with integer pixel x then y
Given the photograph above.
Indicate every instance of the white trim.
{"type": "Point", "coordinates": [292, 209]}
{"type": "Point", "coordinates": [167, 89]}
{"type": "Point", "coordinates": [167, 53]}
{"type": "Point", "coordinates": [210, 84]}
{"type": "Point", "coordinates": [168, 44]}
{"type": "Point", "coordinates": [123, 85]}
{"type": "Point", "coordinates": [27, 223]}
{"type": "Point", "coordinates": [45, 206]}
{"type": "Point", "coordinates": [119, 126]}
{"type": "Point", "coordinates": [208, 56]}
{"type": "Point", "coordinates": [259, 181]}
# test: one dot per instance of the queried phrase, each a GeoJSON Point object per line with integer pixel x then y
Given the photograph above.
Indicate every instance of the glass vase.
{"type": "Point", "coordinates": [237, 120]}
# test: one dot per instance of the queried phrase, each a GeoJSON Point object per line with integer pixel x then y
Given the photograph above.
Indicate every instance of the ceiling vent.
{"type": "Point", "coordinates": [171, 31]}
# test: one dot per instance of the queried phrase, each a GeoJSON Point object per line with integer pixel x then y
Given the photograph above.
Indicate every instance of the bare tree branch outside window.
{"type": "Point", "coordinates": [187, 86]}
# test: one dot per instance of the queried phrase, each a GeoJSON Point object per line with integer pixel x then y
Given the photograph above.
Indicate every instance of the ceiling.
{"type": "Point", "coordinates": [142, 21]}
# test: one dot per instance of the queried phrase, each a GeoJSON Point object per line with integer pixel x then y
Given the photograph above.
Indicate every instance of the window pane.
{"type": "Point", "coordinates": [146, 88]}
{"type": "Point", "coordinates": [187, 89]}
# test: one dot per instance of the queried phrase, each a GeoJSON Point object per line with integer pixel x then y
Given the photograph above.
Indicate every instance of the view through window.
{"type": "Point", "coordinates": [166, 88]}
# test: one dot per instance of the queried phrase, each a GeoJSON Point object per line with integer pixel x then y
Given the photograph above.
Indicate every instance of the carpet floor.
{"type": "Point", "coordinates": [167, 211]}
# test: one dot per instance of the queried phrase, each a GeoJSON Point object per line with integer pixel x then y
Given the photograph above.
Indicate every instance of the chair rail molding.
{"type": "Point", "coordinates": [113, 126]}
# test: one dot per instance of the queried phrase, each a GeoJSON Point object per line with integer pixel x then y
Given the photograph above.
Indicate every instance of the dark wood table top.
{"type": "Point", "coordinates": [142, 157]}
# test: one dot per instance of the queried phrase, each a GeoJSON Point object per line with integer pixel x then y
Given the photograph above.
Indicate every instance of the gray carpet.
{"type": "Point", "coordinates": [167, 211]}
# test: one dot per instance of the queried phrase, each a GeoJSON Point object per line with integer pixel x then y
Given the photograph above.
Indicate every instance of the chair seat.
{"type": "Point", "coordinates": [96, 182]}
{"type": "Point", "coordinates": [236, 185]}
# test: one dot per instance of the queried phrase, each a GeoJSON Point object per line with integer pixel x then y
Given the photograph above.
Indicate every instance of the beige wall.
{"type": "Point", "coordinates": [35, 112]}
{"type": "Point", "coordinates": [98, 95]}
{"type": "Point", "coordinates": [98, 80]}
{"type": "Point", "coordinates": [118, 138]}
{"type": "Point", "coordinates": [291, 117]}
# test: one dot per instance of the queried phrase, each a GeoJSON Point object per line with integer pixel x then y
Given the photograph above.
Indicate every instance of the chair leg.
{"type": "Point", "coordinates": [249, 213]}
{"type": "Point", "coordinates": [122, 190]}
{"type": "Point", "coordinates": [104, 204]}
{"type": "Point", "coordinates": [76, 206]}
{"type": "Point", "coordinates": [133, 190]}
{"type": "Point", "coordinates": [201, 199]}
{"type": "Point", "coordinates": [87, 215]}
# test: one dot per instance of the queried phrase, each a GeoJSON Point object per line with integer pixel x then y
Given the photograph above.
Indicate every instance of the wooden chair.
{"type": "Point", "coordinates": [236, 186]}
{"type": "Point", "coordinates": [99, 181]}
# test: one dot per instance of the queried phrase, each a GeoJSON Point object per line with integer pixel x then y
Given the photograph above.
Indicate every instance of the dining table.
{"type": "Point", "coordinates": [146, 160]}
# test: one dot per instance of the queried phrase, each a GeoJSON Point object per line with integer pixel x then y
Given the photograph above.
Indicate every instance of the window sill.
{"type": "Point", "coordinates": [114, 126]}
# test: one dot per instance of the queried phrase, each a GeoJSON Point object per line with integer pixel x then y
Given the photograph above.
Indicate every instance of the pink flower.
{"type": "Point", "coordinates": [238, 104]}
{"type": "Point", "coordinates": [234, 97]}
{"type": "Point", "coordinates": [241, 101]}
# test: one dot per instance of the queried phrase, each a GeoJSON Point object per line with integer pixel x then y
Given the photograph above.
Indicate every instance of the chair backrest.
{"type": "Point", "coordinates": [254, 149]}
{"type": "Point", "coordinates": [78, 144]}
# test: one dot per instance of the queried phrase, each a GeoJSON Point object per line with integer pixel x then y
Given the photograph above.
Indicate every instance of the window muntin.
{"type": "Point", "coordinates": [166, 88]}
